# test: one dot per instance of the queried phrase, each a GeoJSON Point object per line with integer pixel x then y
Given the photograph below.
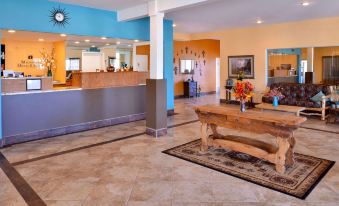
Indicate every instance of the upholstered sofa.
{"type": "Point", "coordinates": [300, 95]}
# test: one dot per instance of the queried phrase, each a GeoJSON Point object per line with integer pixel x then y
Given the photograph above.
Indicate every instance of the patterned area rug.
{"type": "Point", "coordinates": [298, 180]}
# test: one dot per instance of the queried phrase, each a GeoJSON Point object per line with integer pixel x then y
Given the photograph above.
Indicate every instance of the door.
{"type": "Point", "coordinates": [217, 75]}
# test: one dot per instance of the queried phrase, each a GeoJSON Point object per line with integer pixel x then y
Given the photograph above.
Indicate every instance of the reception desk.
{"type": "Point", "coordinates": [94, 80]}
{"type": "Point", "coordinates": [12, 85]}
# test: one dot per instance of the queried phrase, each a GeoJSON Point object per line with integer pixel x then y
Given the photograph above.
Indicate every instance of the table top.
{"type": "Point", "coordinates": [285, 108]}
{"type": "Point", "coordinates": [333, 97]}
{"type": "Point", "coordinates": [231, 112]}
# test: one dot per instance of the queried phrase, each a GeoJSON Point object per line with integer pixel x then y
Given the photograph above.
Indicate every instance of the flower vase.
{"type": "Point", "coordinates": [275, 101]}
{"type": "Point", "coordinates": [49, 73]}
{"type": "Point", "coordinates": [242, 106]}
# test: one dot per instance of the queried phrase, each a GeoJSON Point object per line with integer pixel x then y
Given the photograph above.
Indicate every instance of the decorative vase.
{"type": "Point", "coordinates": [49, 73]}
{"type": "Point", "coordinates": [275, 101]}
{"type": "Point", "coordinates": [242, 106]}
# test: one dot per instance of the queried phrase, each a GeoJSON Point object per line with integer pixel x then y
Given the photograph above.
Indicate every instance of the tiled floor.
{"type": "Point", "coordinates": [90, 168]}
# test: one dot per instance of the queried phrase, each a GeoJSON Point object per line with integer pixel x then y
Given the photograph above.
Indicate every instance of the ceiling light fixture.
{"type": "Point", "coordinates": [107, 44]}
{"type": "Point", "coordinates": [174, 25]}
{"type": "Point", "coordinates": [11, 31]}
{"type": "Point", "coordinates": [63, 35]}
{"type": "Point", "coordinates": [76, 42]}
{"type": "Point", "coordinates": [118, 42]}
{"type": "Point", "coordinates": [103, 38]}
{"type": "Point", "coordinates": [87, 40]}
{"type": "Point", "coordinates": [259, 21]}
{"type": "Point", "coordinates": [41, 39]}
{"type": "Point", "coordinates": [136, 41]}
{"type": "Point", "coordinates": [93, 46]}
{"type": "Point", "coordinates": [129, 45]}
{"type": "Point", "coordinates": [305, 3]}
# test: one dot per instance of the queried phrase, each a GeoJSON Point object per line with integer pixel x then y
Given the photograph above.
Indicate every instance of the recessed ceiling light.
{"type": "Point", "coordinates": [107, 44]}
{"type": "Point", "coordinates": [103, 38]}
{"type": "Point", "coordinates": [129, 45]}
{"type": "Point", "coordinates": [305, 3]}
{"type": "Point", "coordinates": [41, 39]}
{"type": "Point", "coordinates": [136, 40]}
{"type": "Point", "coordinates": [63, 35]}
{"type": "Point", "coordinates": [76, 42]}
{"type": "Point", "coordinates": [93, 46]}
{"type": "Point", "coordinates": [87, 40]}
{"type": "Point", "coordinates": [118, 42]}
{"type": "Point", "coordinates": [259, 22]}
{"type": "Point", "coordinates": [11, 31]}
{"type": "Point", "coordinates": [174, 25]}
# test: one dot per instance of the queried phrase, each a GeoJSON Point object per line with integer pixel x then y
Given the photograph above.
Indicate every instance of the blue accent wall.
{"type": "Point", "coordinates": [33, 15]}
{"type": "Point", "coordinates": [168, 62]}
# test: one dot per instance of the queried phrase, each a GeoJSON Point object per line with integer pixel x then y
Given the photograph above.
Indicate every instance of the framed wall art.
{"type": "Point", "coordinates": [237, 64]}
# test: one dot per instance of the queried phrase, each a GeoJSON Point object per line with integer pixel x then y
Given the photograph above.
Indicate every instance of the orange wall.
{"type": "Point", "coordinates": [207, 78]}
{"type": "Point", "coordinates": [257, 39]}
{"type": "Point", "coordinates": [17, 51]}
{"type": "Point", "coordinates": [144, 50]}
{"type": "Point", "coordinates": [60, 57]}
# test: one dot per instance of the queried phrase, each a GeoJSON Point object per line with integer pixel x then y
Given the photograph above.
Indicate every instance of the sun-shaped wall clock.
{"type": "Point", "coordinates": [59, 17]}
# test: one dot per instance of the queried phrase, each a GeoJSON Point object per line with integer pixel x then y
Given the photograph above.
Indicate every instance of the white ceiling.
{"type": "Point", "coordinates": [112, 5]}
{"type": "Point", "coordinates": [220, 14]}
{"type": "Point", "coordinates": [223, 14]}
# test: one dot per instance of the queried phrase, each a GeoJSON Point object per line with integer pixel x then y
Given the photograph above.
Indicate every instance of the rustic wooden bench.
{"type": "Point", "coordinates": [281, 127]}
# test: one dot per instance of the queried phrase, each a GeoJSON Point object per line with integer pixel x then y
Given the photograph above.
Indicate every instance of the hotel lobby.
{"type": "Point", "coordinates": [169, 102]}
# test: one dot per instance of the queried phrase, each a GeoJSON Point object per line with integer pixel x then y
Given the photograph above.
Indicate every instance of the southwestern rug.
{"type": "Point", "coordinates": [298, 180]}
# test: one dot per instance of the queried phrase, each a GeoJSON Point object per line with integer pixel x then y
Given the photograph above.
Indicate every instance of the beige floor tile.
{"type": "Point", "coordinates": [77, 191]}
{"type": "Point", "coordinates": [152, 191]}
{"type": "Point", "coordinates": [192, 191]}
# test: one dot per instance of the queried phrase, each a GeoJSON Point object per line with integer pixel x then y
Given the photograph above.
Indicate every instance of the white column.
{"type": "Point", "coordinates": [310, 59]}
{"type": "Point", "coordinates": [157, 45]}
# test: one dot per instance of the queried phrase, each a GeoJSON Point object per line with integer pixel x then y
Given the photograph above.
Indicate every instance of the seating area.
{"type": "Point", "coordinates": [169, 103]}
{"type": "Point", "coordinates": [300, 95]}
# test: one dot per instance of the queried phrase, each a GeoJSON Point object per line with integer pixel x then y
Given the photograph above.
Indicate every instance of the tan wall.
{"type": "Point", "coordinates": [318, 61]}
{"type": "Point", "coordinates": [16, 51]}
{"type": "Point", "coordinates": [255, 41]}
{"type": "Point", "coordinates": [60, 57]}
{"type": "Point", "coordinates": [207, 78]}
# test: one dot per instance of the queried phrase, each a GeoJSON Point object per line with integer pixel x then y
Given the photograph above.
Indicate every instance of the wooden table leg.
{"type": "Point", "coordinates": [290, 152]}
{"type": "Point", "coordinates": [204, 137]}
{"type": "Point", "coordinates": [280, 161]}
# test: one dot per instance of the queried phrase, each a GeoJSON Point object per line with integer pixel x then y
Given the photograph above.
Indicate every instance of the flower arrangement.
{"type": "Point", "coordinates": [48, 61]}
{"type": "Point", "coordinates": [275, 92]}
{"type": "Point", "coordinates": [243, 91]}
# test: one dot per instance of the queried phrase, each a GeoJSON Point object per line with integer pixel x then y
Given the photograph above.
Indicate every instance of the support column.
{"type": "Point", "coordinates": [156, 94]}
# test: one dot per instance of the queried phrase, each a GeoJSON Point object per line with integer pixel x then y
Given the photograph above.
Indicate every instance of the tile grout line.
{"type": "Point", "coordinates": [20, 184]}
{"type": "Point", "coordinates": [320, 130]}
{"type": "Point", "coordinates": [92, 145]}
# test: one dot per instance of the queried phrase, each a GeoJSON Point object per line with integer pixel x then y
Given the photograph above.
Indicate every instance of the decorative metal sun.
{"type": "Point", "coordinates": [59, 17]}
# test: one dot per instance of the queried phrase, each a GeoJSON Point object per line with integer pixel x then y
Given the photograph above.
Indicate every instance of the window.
{"type": "Point", "coordinates": [72, 64]}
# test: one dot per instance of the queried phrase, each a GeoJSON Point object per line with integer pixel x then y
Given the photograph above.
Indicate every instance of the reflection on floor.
{"type": "Point", "coordinates": [92, 168]}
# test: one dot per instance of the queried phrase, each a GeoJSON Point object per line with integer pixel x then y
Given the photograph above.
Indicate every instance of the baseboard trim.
{"type": "Point", "coordinates": [54, 132]}
{"type": "Point", "coordinates": [156, 132]}
{"type": "Point", "coordinates": [48, 133]}
{"type": "Point", "coordinates": [201, 94]}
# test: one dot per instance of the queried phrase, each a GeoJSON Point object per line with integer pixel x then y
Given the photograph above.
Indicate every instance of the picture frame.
{"type": "Point", "coordinates": [243, 63]}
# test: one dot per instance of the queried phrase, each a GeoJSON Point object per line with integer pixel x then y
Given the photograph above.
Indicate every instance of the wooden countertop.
{"type": "Point", "coordinates": [92, 80]}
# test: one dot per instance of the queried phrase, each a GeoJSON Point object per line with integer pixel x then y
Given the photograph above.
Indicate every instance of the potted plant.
{"type": "Point", "coordinates": [48, 61]}
{"type": "Point", "coordinates": [243, 91]}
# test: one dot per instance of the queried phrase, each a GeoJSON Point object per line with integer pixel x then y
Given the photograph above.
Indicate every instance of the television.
{"type": "Point", "coordinates": [187, 66]}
